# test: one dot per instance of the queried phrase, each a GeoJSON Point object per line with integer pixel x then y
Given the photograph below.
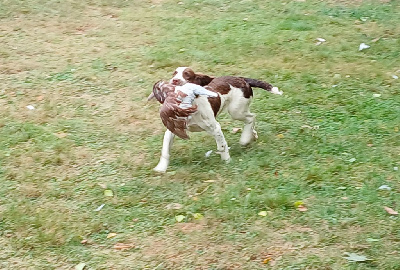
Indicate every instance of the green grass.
{"type": "Point", "coordinates": [87, 68]}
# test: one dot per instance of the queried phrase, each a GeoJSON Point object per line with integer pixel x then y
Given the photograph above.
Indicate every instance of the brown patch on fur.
{"type": "Point", "coordinates": [223, 85]}
{"type": "Point", "coordinates": [215, 103]}
{"type": "Point", "coordinates": [257, 83]}
{"type": "Point", "coordinates": [197, 78]}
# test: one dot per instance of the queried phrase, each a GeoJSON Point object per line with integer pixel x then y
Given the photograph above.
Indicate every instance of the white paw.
{"type": "Point", "coordinates": [225, 156]}
{"type": "Point", "coordinates": [160, 169]}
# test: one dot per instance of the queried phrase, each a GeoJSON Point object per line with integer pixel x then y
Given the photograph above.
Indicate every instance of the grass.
{"type": "Point", "coordinates": [87, 68]}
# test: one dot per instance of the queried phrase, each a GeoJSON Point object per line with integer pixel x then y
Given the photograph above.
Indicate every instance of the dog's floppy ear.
{"type": "Point", "coordinates": [202, 79]}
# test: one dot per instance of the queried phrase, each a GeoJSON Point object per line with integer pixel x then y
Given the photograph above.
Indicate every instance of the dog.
{"type": "Point", "coordinates": [233, 94]}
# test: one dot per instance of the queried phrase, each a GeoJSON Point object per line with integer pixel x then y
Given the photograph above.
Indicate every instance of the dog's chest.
{"type": "Point", "coordinates": [204, 116]}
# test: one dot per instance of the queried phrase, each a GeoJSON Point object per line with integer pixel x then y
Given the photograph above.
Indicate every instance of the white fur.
{"type": "Point", "coordinates": [179, 76]}
{"type": "Point", "coordinates": [276, 91]}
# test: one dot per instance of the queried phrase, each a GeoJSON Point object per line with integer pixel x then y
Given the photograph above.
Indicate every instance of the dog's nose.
{"type": "Point", "coordinates": [175, 81]}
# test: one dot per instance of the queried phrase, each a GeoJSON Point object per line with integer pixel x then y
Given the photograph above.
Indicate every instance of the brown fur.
{"type": "Point", "coordinates": [197, 78]}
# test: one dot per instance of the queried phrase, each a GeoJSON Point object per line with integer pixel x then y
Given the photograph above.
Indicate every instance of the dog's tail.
{"type": "Point", "coordinates": [263, 85]}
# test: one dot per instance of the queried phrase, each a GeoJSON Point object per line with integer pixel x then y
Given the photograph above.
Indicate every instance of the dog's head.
{"type": "Point", "coordinates": [183, 75]}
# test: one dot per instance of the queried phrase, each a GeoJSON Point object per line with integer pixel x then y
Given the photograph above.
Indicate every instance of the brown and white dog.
{"type": "Point", "coordinates": [234, 95]}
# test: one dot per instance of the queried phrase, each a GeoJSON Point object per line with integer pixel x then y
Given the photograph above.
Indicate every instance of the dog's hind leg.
{"type": "Point", "coordinates": [249, 134]}
{"type": "Point", "coordinates": [239, 110]}
{"type": "Point", "coordinates": [164, 159]}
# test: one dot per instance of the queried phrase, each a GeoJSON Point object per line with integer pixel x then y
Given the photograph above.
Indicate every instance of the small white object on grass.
{"type": "Point", "coordinates": [30, 107]}
{"type": "Point", "coordinates": [99, 208]}
{"type": "Point", "coordinates": [320, 41]}
{"type": "Point", "coordinates": [395, 77]}
{"type": "Point", "coordinates": [384, 187]}
{"type": "Point", "coordinates": [208, 154]}
{"type": "Point", "coordinates": [236, 130]}
{"type": "Point", "coordinates": [376, 95]}
{"type": "Point", "coordinates": [363, 46]}
{"type": "Point", "coordinates": [395, 168]}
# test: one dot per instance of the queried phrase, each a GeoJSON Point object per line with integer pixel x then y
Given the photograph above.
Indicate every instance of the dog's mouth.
{"type": "Point", "coordinates": [177, 82]}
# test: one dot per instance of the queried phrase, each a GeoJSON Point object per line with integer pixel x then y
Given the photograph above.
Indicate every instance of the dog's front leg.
{"type": "Point", "coordinates": [222, 145]}
{"type": "Point", "coordinates": [164, 159]}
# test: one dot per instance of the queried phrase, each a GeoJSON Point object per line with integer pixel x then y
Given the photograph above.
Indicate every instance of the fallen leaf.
{"type": "Point", "coordinates": [102, 185]}
{"type": "Point", "coordinates": [266, 260]}
{"type": "Point", "coordinates": [108, 193]}
{"type": "Point", "coordinates": [99, 208]}
{"type": "Point", "coordinates": [280, 136]}
{"type": "Point", "coordinates": [355, 257]}
{"type": "Point", "coordinates": [372, 240]}
{"type": "Point", "coordinates": [122, 246]}
{"type": "Point", "coordinates": [302, 208]}
{"type": "Point", "coordinates": [263, 213]}
{"type": "Point", "coordinates": [111, 235]}
{"type": "Point", "coordinates": [197, 216]}
{"type": "Point", "coordinates": [298, 203]}
{"type": "Point", "coordinates": [60, 135]}
{"type": "Point", "coordinates": [236, 130]}
{"type": "Point", "coordinates": [390, 211]}
{"type": "Point", "coordinates": [384, 187]}
{"type": "Point", "coordinates": [363, 46]}
{"type": "Point", "coordinates": [39, 98]}
{"type": "Point", "coordinates": [209, 181]}
{"type": "Point", "coordinates": [180, 218]}
{"type": "Point", "coordinates": [80, 266]}
{"type": "Point", "coordinates": [84, 241]}
{"type": "Point", "coordinates": [174, 206]}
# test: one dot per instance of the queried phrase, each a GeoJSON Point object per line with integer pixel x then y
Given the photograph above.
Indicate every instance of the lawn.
{"type": "Point", "coordinates": [78, 139]}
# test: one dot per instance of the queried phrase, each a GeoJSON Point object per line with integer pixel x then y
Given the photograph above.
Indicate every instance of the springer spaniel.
{"type": "Point", "coordinates": [187, 106]}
